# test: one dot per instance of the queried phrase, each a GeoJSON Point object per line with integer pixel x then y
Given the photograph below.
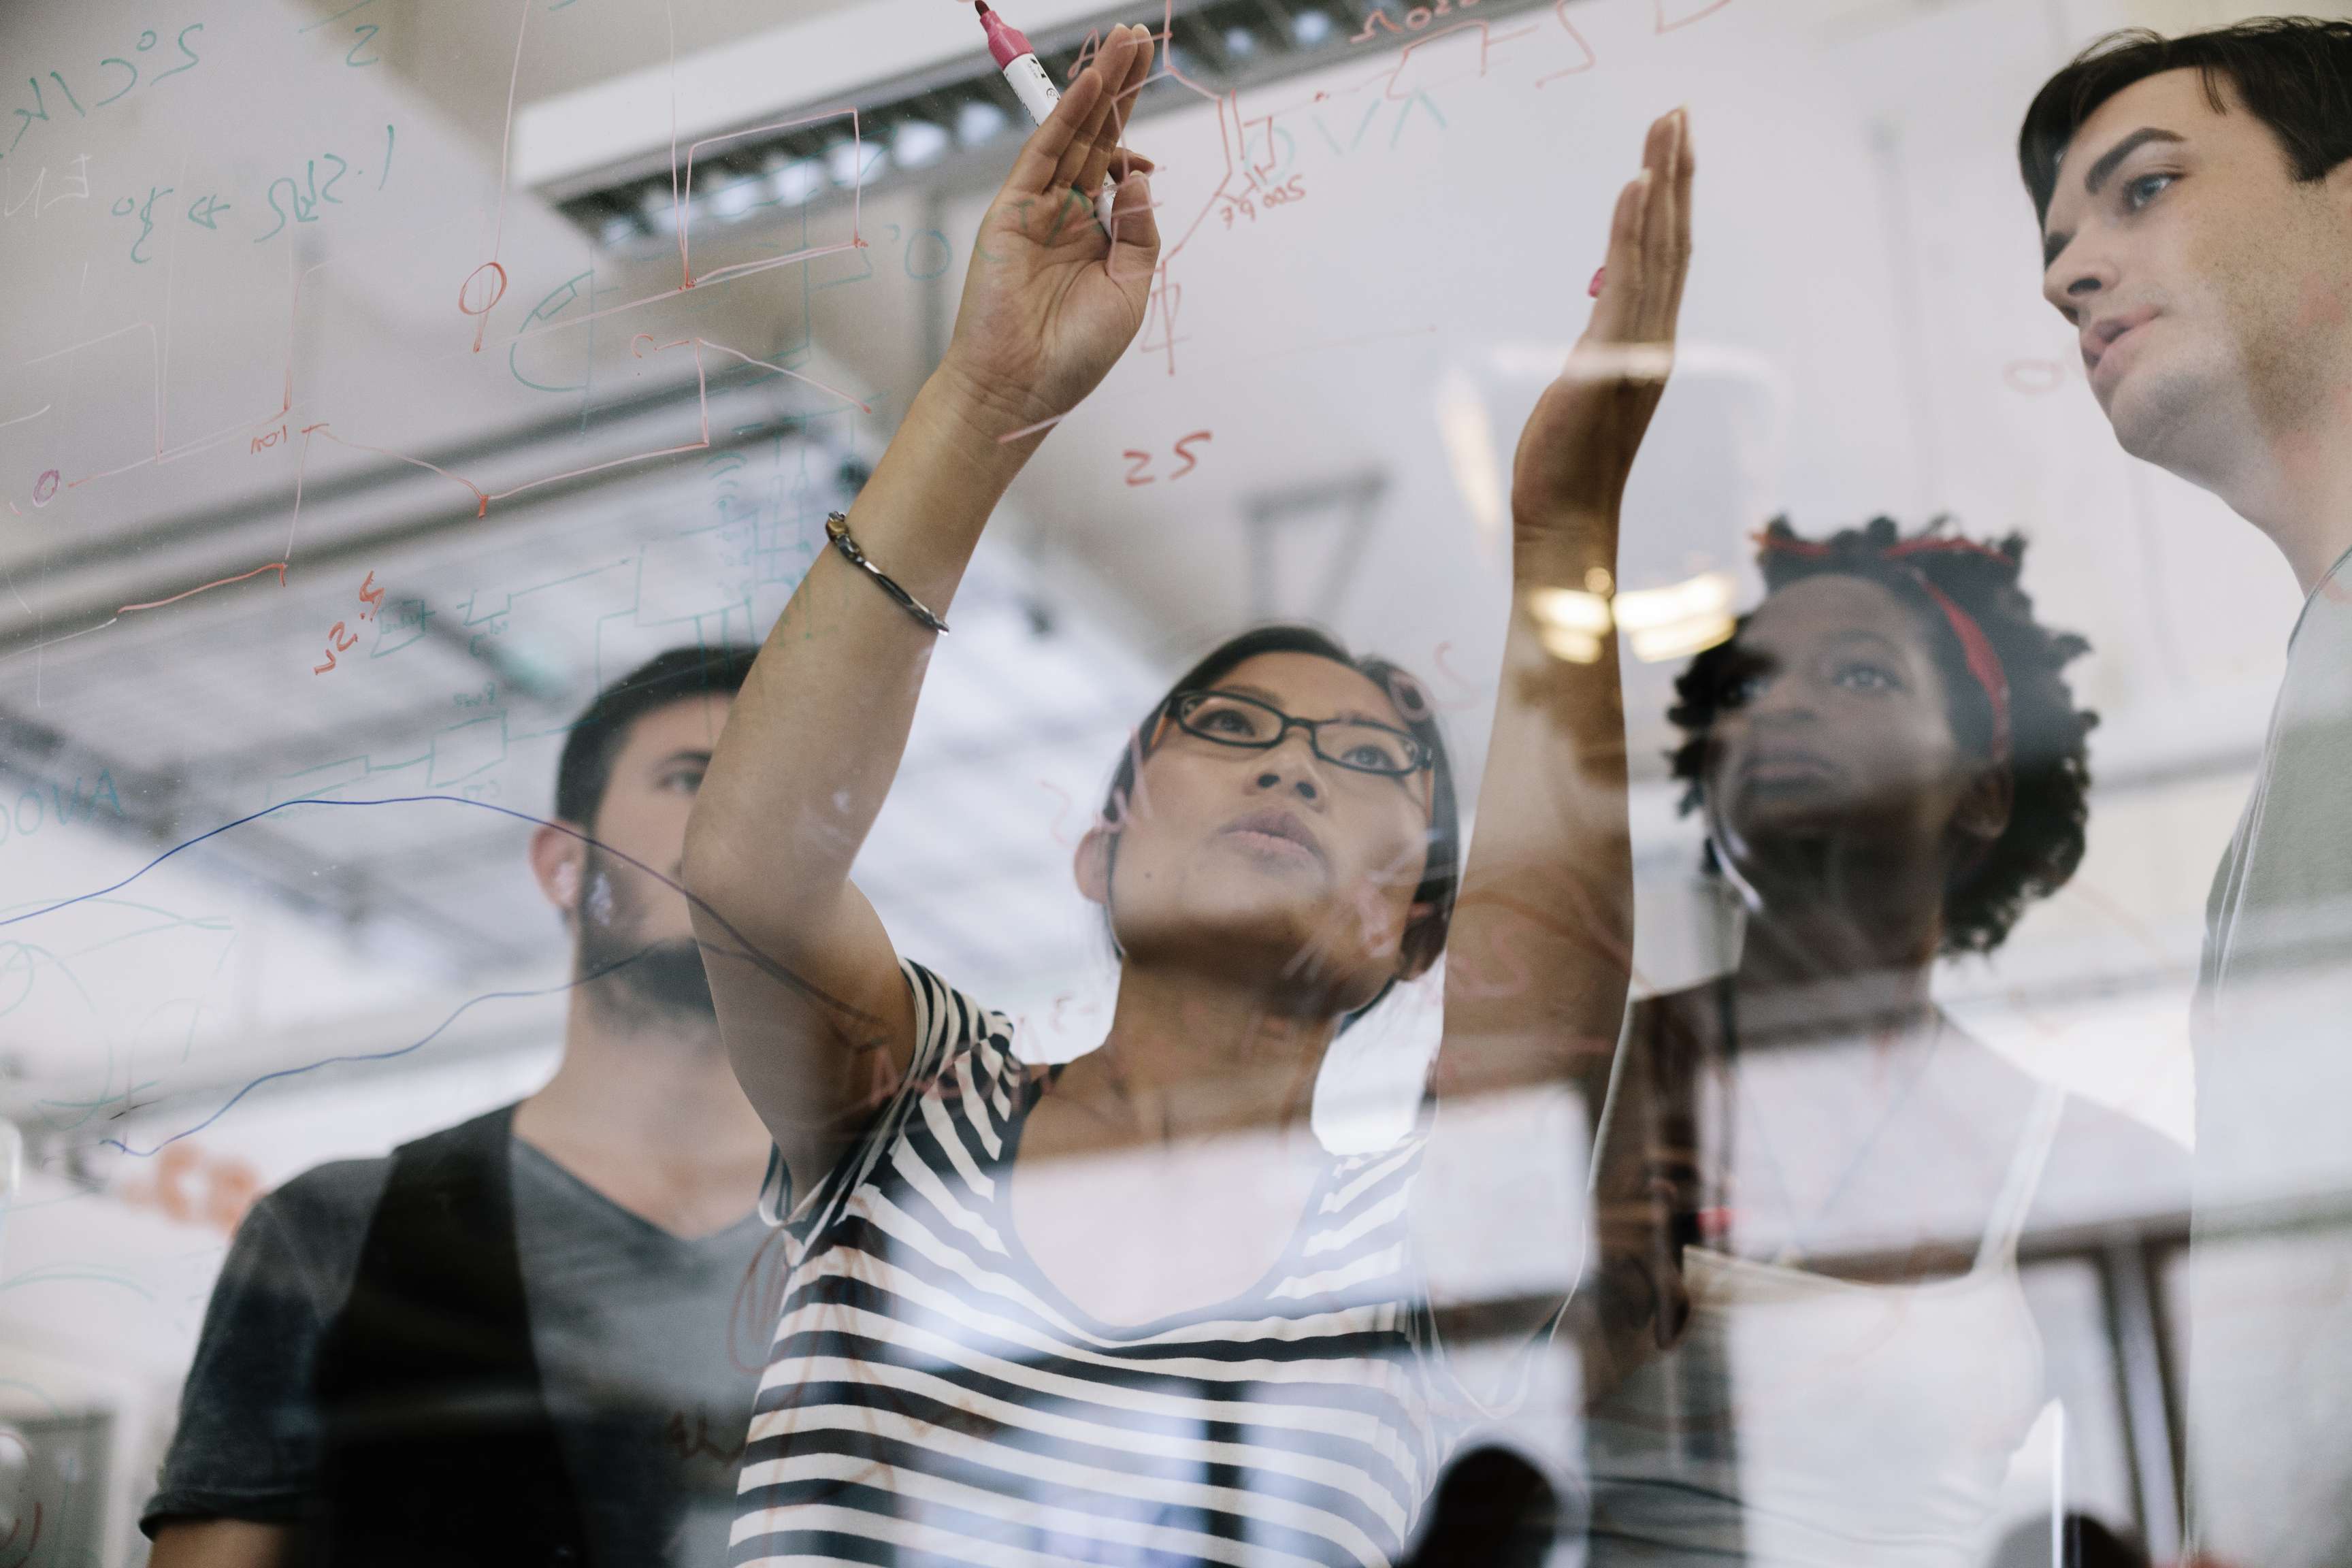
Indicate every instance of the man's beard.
{"type": "Point", "coordinates": [638, 977]}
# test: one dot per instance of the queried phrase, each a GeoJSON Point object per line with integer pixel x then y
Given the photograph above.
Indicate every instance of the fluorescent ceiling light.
{"type": "Point", "coordinates": [739, 196]}
{"type": "Point", "coordinates": [1577, 647]}
{"type": "Point", "coordinates": [853, 163]}
{"type": "Point", "coordinates": [1570, 622]}
{"type": "Point", "coordinates": [1673, 622]}
{"type": "Point", "coordinates": [1680, 640]}
{"type": "Point", "coordinates": [796, 182]}
{"type": "Point", "coordinates": [1569, 609]}
{"type": "Point", "coordinates": [919, 145]}
{"type": "Point", "coordinates": [977, 121]}
{"type": "Point", "coordinates": [1679, 620]}
{"type": "Point", "coordinates": [1649, 609]}
{"type": "Point", "coordinates": [659, 209]}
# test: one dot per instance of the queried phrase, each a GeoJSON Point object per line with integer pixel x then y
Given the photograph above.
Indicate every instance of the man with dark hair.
{"type": "Point", "coordinates": [507, 1343]}
{"type": "Point", "coordinates": [2196, 204]}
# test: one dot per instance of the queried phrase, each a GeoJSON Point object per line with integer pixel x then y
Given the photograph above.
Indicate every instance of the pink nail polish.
{"type": "Point", "coordinates": [1593, 288]}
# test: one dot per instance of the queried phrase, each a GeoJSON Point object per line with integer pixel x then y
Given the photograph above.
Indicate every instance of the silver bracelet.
{"type": "Point", "coordinates": [836, 528]}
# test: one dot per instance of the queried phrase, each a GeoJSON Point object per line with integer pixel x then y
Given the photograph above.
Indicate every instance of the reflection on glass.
{"type": "Point", "coordinates": [1889, 768]}
{"type": "Point", "coordinates": [1415, 981]}
{"type": "Point", "coordinates": [513, 1339]}
{"type": "Point", "coordinates": [2187, 240]}
{"type": "Point", "coordinates": [1217, 1344]}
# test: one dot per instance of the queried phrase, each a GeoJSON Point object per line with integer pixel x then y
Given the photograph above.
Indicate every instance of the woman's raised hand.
{"type": "Point", "coordinates": [1051, 302]}
{"type": "Point", "coordinates": [1578, 444]}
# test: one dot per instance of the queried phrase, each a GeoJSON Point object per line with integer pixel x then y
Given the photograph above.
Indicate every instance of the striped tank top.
{"type": "Point", "coordinates": [931, 1400]}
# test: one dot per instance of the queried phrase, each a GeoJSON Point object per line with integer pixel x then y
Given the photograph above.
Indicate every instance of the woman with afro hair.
{"type": "Point", "coordinates": [1841, 1363]}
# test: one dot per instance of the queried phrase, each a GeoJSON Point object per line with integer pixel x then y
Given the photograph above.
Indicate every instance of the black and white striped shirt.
{"type": "Point", "coordinates": [931, 1400]}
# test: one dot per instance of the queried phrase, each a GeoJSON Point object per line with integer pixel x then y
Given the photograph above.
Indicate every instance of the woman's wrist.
{"type": "Point", "coordinates": [1563, 552]}
{"type": "Point", "coordinates": [943, 459]}
{"type": "Point", "coordinates": [1001, 429]}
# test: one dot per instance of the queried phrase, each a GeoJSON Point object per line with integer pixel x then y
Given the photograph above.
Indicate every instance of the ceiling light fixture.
{"type": "Point", "coordinates": [1678, 620]}
{"type": "Point", "coordinates": [1673, 622]}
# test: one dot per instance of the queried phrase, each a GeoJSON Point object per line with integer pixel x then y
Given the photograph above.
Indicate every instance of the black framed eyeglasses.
{"type": "Point", "coordinates": [1229, 719]}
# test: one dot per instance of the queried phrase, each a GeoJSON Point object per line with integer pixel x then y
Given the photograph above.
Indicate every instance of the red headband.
{"type": "Point", "coordinates": [1976, 648]}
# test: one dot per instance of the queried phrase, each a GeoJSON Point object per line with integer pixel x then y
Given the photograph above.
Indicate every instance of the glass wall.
{"type": "Point", "coordinates": [1446, 786]}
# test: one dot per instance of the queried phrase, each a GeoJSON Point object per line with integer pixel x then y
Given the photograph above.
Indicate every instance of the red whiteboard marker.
{"type": "Point", "coordinates": [1030, 83]}
{"type": "Point", "coordinates": [1018, 61]}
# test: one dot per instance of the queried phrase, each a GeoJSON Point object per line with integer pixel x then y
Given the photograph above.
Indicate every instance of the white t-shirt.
{"type": "Point", "coordinates": [2270, 1465]}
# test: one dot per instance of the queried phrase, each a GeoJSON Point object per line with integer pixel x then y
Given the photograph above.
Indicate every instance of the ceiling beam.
{"type": "Point", "coordinates": [395, 504]}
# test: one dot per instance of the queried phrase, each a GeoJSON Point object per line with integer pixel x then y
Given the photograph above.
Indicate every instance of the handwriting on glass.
{"type": "Point", "coordinates": [182, 55]}
{"type": "Point", "coordinates": [339, 639]}
{"type": "Point", "coordinates": [146, 211]}
{"type": "Point", "coordinates": [1139, 463]}
{"type": "Point", "coordinates": [72, 186]}
{"type": "Point", "coordinates": [1415, 19]}
{"type": "Point", "coordinates": [1294, 189]}
{"type": "Point", "coordinates": [304, 197]}
{"type": "Point", "coordinates": [291, 199]}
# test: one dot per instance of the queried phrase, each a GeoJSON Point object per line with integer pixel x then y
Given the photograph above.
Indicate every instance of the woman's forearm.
{"type": "Point", "coordinates": [1542, 950]}
{"type": "Point", "coordinates": [806, 981]}
{"type": "Point", "coordinates": [1539, 954]}
{"type": "Point", "coordinates": [816, 736]}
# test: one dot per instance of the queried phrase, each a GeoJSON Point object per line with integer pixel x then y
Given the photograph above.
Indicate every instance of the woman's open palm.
{"type": "Point", "coordinates": [1579, 444]}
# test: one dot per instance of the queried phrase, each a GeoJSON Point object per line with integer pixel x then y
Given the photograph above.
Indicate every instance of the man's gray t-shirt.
{"type": "Point", "coordinates": [648, 1348]}
{"type": "Point", "coordinates": [2269, 1433]}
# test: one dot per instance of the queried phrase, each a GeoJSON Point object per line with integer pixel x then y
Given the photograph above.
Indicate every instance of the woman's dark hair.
{"type": "Point", "coordinates": [1441, 874]}
{"type": "Point", "coordinates": [2048, 763]}
{"type": "Point", "coordinates": [2292, 73]}
{"type": "Point", "coordinates": [600, 732]}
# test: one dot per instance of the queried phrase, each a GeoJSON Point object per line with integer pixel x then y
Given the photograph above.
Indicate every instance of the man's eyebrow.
{"type": "Point", "coordinates": [686, 754]}
{"type": "Point", "coordinates": [2100, 172]}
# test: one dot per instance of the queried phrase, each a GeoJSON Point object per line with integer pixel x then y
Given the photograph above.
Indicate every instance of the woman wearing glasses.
{"type": "Point", "coordinates": [977, 1365]}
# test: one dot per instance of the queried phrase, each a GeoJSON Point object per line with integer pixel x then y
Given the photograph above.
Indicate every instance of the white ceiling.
{"type": "Point", "coordinates": [459, 54]}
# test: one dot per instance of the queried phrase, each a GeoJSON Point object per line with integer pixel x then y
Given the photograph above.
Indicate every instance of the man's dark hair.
{"type": "Point", "coordinates": [600, 732]}
{"type": "Point", "coordinates": [2049, 766]}
{"type": "Point", "coordinates": [2292, 73]}
{"type": "Point", "coordinates": [1441, 872]}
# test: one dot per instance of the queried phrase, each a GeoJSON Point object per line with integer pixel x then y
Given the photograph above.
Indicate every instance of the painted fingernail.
{"type": "Point", "coordinates": [1592, 289]}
